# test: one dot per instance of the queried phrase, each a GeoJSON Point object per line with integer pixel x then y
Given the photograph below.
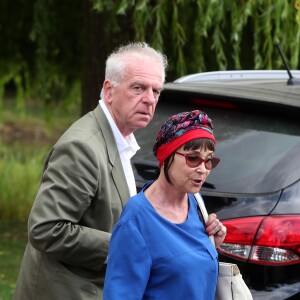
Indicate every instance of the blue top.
{"type": "Point", "coordinates": [152, 258]}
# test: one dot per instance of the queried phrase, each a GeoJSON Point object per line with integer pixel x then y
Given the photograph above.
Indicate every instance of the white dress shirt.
{"type": "Point", "coordinates": [127, 147]}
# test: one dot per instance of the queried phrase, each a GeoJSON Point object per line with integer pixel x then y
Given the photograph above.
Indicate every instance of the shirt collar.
{"type": "Point", "coordinates": [123, 143]}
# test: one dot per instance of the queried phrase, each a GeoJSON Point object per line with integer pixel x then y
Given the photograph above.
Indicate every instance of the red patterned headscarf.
{"type": "Point", "coordinates": [180, 129]}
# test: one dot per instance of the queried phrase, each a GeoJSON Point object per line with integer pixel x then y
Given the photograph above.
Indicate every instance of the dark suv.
{"type": "Point", "coordinates": [255, 190]}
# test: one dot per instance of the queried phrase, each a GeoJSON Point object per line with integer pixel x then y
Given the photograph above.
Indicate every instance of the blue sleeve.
{"type": "Point", "coordinates": [128, 266]}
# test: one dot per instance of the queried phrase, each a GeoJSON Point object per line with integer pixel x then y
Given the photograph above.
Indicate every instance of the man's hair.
{"type": "Point", "coordinates": [117, 60]}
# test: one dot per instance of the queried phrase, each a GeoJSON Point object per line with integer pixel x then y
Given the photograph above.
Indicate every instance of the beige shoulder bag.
{"type": "Point", "coordinates": [231, 285]}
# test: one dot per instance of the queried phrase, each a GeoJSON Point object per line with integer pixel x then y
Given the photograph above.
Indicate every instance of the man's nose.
{"type": "Point", "coordinates": [150, 96]}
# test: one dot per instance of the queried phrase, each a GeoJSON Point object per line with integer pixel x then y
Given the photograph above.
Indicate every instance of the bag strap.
{"type": "Point", "coordinates": [203, 211]}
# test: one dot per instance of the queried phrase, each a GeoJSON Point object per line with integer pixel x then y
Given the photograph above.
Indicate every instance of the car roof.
{"type": "Point", "coordinates": [239, 75]}
{"type": "Point", "coordinates": [267, 87]}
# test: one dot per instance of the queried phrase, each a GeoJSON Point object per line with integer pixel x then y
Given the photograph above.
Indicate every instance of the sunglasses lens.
{"type": "Point", "coordinates": [193, 161]}
{"type": "Point", "coordinates": [208, 164]}
{"type": "Point", "coordinates": [214, 162]}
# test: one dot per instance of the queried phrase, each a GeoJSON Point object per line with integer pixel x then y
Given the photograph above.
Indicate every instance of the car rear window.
{"type": "Point", "coordinates": [259, 153]}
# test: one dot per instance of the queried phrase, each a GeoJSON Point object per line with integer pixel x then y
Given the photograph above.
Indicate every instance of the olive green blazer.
{"type": "Point", "coordinates": [82, 193]}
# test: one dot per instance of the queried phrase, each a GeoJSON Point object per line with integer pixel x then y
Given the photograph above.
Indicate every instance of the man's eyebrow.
{"type": "Point", "coordinates": [144, 84]}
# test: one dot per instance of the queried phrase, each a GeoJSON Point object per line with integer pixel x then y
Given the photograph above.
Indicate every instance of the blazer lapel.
{"type": "Point", "coordinates": [117, 171]}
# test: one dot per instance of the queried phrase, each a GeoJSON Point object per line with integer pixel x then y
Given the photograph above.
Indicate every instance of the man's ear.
{"type": "Point", "coordinates": [107, 90]}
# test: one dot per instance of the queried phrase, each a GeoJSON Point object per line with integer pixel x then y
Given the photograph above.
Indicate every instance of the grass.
{"type": "Point", "coordinates": [20, 171]}
{"type": "Point", "coordinates": [25, 139]}
{"type": "Point", "coordinates": [13, 237]}
{"type": "Point", "coordinates": [47, 122]}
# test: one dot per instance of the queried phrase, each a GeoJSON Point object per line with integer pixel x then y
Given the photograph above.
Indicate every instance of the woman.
{"type": "Point", "coordinates": [160, 249]}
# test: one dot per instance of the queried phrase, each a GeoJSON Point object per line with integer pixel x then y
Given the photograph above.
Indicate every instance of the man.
{"type": "Point", "coordinates": [86, 181]}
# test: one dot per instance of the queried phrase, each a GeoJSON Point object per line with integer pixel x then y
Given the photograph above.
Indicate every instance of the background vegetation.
{"type": "Point", "coordinates": [13, 240]}
{"type": "Point", "coordinates": [24, 142]}
{"type": "Point", "coordinates": [54, 52]}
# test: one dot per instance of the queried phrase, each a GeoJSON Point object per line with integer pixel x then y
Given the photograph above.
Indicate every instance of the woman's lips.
{"type": "Point", "coordinates": [197, 181]}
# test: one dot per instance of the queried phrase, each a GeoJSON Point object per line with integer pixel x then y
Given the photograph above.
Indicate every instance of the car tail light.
{"type": "Point", "coordinates": [214, 103]}
{"type": "Point", "coordinates": [272, 240]}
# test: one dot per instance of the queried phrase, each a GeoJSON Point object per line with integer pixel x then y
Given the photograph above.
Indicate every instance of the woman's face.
{"type": "Point", "coordinates": [188, 179]}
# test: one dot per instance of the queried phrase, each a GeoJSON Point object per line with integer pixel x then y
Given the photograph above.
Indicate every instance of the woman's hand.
{"type": "Point", "coordinates": [216, 228]}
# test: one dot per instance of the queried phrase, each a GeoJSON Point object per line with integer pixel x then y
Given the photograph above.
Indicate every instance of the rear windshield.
{"type": "Point", "coordinates": [259, 153]}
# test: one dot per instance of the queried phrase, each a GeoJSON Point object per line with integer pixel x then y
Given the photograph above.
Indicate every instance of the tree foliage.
{"type": "Point", "coordinates": [42, 42]}
{"type": "Point", "coordinates": [200, 35]}
{"type": "Point", "coordinates": [41, 49]}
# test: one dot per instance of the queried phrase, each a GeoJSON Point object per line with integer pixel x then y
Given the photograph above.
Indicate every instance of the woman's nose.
{"type": "Point", "coordinates": [201, 168]}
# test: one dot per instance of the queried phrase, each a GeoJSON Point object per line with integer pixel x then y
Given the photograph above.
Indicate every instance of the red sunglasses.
{"type": "Point", "coordinates": [194, 161]}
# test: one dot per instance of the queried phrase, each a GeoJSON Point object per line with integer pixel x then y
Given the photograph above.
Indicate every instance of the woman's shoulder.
{"type": "Point", "coordinates": [192, 200]}
{"type": "Point", "coordinates": [138, 201]}
{"type": "Point", "coordinates": [134, 207]}
{"type": "Point", "coordinates": [135, 201]}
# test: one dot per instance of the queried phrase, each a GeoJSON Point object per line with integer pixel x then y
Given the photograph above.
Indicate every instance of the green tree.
{"type": "Point", "coordinates": [56, 51]}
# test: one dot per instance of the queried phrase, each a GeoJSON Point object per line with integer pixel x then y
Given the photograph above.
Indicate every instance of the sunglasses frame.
{"type": "Point", "coordinates": [186, 156]}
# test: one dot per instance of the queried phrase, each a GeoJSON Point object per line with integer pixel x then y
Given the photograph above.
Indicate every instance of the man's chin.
{"type": "Point", "coordinates": [143, 121]}
{"type": "Point", "coordinates": [141, 125]}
